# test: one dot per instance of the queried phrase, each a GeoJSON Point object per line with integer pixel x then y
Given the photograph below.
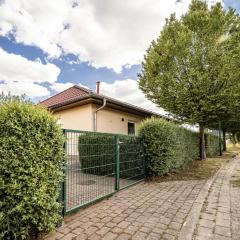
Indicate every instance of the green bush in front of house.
{"type": "Point", "coordinates": [131, 157]}
{"type": "Point", "coordinates": [31, 157]}
{"type": "Point", "coordinates": [168, 146]}
{"type": "Point", "coordinates": [97, 154]}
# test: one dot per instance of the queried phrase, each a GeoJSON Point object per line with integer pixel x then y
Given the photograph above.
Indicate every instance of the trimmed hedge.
{"type": "Point", "coordinates": [168, 146]}
{"type": "Point", "coordinates": [97, 154]}
{"type": "Point", "coordinates": [131, 157]}
{"type": "Point", "coordinates": [212, 145]}
{"type": "Point", "coordinates": [31, 156]}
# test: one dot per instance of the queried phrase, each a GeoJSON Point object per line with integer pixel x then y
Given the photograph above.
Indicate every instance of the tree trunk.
{"type": "Point", "coordinates": [224, 141]}
{"type": "Point", "coordinates": [202, 148]}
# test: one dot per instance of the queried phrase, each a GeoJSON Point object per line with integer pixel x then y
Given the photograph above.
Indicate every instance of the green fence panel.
{"type": "Point", "coordinates": [132, 162]}
{"type": "Point", "coordinates": [98, 165]}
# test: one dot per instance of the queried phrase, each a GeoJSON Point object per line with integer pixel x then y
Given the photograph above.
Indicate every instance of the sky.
{"type": "Point", "coordinates": [48, 46]}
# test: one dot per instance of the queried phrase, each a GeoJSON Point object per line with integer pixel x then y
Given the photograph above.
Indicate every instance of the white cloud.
{"type": "Point", "coordinates": [59, 87]}
{"type": "Point", "coordinates": [22, 76]}
{"type": "Point", "coordinates": [105, 33]}
{"type": "Point", "coordinates": [127, 91]}
{"type": "Point", "coordinates": [29, 89]}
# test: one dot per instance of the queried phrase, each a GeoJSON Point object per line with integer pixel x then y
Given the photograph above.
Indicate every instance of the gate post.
{"type": "Point", "coordinates": [63, 188]}
{"type": "Point", "coordinates": [117, 172]}
{"type": "Point", "coordinates": [219, 136]}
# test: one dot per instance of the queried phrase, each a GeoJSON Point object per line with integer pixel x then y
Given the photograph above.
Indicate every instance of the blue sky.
{"type": "Point", "coordinates": [47, 46]}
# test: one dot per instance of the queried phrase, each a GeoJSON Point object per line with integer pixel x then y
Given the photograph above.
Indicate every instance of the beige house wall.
{"type": "Point", "coordinates": [108, 119]}
{"type": "Point", "coordinates": [77, 118]}
{"type": "Point", "coordinates": [81, 118]}
{"type": "Point", "coordinates": [114, 121]}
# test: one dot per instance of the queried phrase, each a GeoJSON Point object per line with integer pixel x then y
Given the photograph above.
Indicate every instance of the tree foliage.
{"type": "Point", "coordinates": [192, 69]}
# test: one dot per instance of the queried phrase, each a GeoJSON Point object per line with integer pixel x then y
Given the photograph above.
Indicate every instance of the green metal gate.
{"type": "Point", "coordinates": [98, 165]}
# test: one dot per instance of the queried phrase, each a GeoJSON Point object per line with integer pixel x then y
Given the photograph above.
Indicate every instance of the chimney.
{"type": "Point", "coordinates": [98, 86]}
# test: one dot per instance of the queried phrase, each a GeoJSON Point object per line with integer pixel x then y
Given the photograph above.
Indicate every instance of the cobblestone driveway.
{"type": "Point", "coordinates": [169, 210]}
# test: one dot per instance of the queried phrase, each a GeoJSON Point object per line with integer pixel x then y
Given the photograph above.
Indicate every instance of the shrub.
{"type": "Point", "coordinates": [212, 145]}
{"type": "Point", "coordinates": [131, 157]}
{"type": "Point", "coordinates": [31, 156]}
{"type": "Point", "coordinates": [97, 154]}
{"type": "Point", "coordinates": [168, 146]}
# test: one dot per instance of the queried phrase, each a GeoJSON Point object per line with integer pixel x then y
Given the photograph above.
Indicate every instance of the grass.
{"type": "Point", "coordinates": [236, 183]}
{"type": "Point", "coordinates": [203, 169]}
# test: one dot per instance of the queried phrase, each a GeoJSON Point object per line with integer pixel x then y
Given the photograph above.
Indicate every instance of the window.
{"type": "Point", "coordinates": [131, 128]}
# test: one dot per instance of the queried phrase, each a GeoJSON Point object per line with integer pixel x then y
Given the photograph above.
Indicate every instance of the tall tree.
{"type": "Point", "coordinates": [192, 69]}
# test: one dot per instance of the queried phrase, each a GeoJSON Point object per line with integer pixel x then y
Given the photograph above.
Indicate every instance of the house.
{"type": "Point", "coordinates": [79, 108]}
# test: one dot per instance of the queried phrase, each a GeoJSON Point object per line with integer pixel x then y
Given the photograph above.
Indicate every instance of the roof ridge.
{"type": "Point", "coordinates": [74, 86]}
{"type": "Point", "coordinates": [88, 90]}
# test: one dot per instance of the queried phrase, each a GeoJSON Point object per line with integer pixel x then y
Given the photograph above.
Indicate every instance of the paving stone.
{"type": "Point", "coordinates": [153, 236]}
{"type": "Point", "coordinates": [69, 236]}
{"type": "Point", "coordinates": [219, 237]}
{"type": "Point", "coordinates": [158, 230]}
{"type": "Point", "coordinates": [110, 236]}
{"type": "Point", "coordinates": [81, 236]}
{"type": "Point", "coordinates": [92, 230]}
{"type": "Point", "coordinates": [202, 237]}
{"type": "Point", "coordinates": [95, 237]}
{"type": "Point", "coordinates": [123, 236]}
{"type": "Point", "coordinates": [103, 231]}
{"type": "Point", "coordinates": [206, 223]}
{"type": "Point", "coordinates": [54, 235]}
{"type": "Point", "coordinates": [75, 224]}
{"type": "Point", "coordinates": [77, 231]}
{"type": "Point", "coordinates": [117, 230]}
{"type": "Point", "coordinates": [130, 229]}
{"type": "Point", "coordinates": [123, 224]}
{"type": "Point", "coordinates": [208, 216]}
{"type": "Point", "coordinates": [175, 226]}
{"type": "Point", "coordinates": [139, 236]}
{"type": "Point", "coordinates": [166, 220]}
{"type": "Point", "coordinates": [64, 230]}
{"type": "Point", "coordinates": [168, 237]}
{"type": "Point", "coordinates": [205, 231]}
{"type": "Point", "coordinates": [223, 223]}
{"type": "Point", "coordinates": [224, 231]}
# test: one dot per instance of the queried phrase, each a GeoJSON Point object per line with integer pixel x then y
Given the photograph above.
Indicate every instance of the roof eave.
{"type": "Point", "coordinates": [112, 103]}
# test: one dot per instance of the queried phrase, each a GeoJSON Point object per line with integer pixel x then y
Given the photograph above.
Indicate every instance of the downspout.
{"type": "Point", "coordinates": [95, 114]}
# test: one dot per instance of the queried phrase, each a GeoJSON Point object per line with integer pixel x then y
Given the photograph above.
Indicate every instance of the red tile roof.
{"type": "Point", "coordinates": [66, 95]}
{"type": "Point", "coordinates": [77, 94]}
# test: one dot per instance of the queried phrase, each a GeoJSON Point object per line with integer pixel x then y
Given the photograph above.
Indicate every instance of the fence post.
{"type": "Point", "coordinates": [64, 178]}
{"type": "Point", "coordinates": [220, 140]}
{"type": "Point", "coordinates": [62, 187]}
{"type": "Point", "coordinates": [117, 172]}
{"type": "Point", "coordinates": [224, 141]}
